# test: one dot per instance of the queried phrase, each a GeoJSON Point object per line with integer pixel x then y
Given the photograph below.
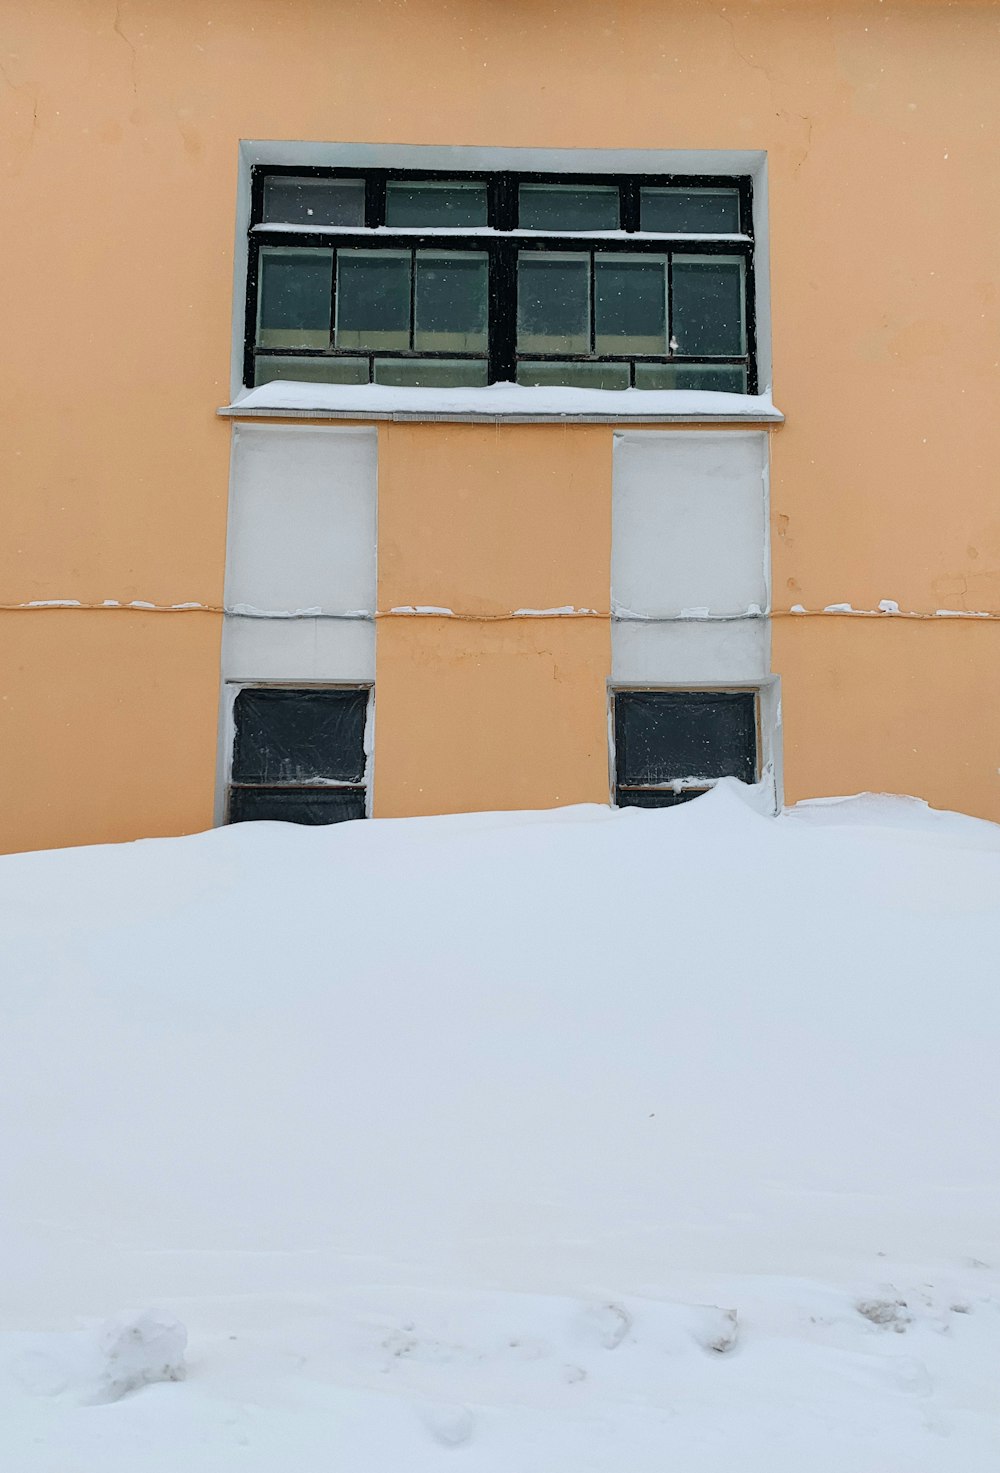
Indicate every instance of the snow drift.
{"type": "Point", "coordinates": [530, 1142]}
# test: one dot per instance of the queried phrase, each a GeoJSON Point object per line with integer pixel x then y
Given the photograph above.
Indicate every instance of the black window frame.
{"type": "Point", "coordinates": [499, 242]}
{"type": "Point", "coordinates": [303, 787]}
{"type": "Point", "coordinates": [665, 794]}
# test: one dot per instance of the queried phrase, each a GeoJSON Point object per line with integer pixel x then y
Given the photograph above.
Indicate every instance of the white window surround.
{"type": "Point", "coordinates": [300, 566]}
{"type": "Point", "coordinates": [690, 572]}
{"type": "Point", "coordinates": [770, 785]}
{"type": "Point", "coordinates": [511, 403]}
{"type": "Point", "coordinates": [231, 688]}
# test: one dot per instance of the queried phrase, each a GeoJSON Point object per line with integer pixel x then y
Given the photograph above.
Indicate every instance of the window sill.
{"type": "Point", "coordinates": [514, 403]}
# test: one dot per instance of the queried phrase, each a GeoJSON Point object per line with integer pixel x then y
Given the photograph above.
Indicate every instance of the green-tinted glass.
{"type": "Point", "coordinates": [373, 299]}
{"type": "Point", "coordinates": [447, 373]}
{"type": "Point", "coordinates": [567, 207]}
{"type": "Point", "coordinates": [574, 375]}
{"type": "Point", "coordinates": [630, 304]}
{"type": "Point", "coordinates": [293, 301]}
{"type": "Point", "coordinates": [690, 211]}
{"type": "Point", "coordinates": [458, 206]}
{"type": "Point", "coordinates": [553, 303]}
{"type": "Point", "coordinates": [314, 201]}
{"type": "Point", "coordinates": [708, 313]}
{"type": "Point", "coordinates": [452, 292]}
{"type": "Point", "coordinates": [311, 370]}
{"type": "Point", "coordinates": [726, 378]}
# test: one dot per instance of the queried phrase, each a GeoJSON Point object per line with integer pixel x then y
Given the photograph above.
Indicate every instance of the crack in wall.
{"type": "Point", "coordinates": [779, 112]}
{"type": "Point", "coordinates": [23, 87]}
{"type": "Point", "coordinates": [117, 28]}
{"type": "Point", "coordinates": [754, 66]}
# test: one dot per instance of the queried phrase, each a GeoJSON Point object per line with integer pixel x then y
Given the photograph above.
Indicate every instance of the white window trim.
{"type": "Point", "coordinates": [507, 402]}
{"type": "Point", "coordinates": [230, 689]}
{"type": "Point", "coordinates": [770, 784]}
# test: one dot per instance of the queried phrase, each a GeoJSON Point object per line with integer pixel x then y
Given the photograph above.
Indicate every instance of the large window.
{"type": "Point", "coordinates": [299, 754]}
{"type": "Point", "coordinates": [364, 276]}
{"type": "Point", "coordinates": [672, 745]}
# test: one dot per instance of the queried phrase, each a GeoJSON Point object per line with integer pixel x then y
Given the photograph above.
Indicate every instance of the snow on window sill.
{"type": "Point", "coordinates": [515, 402]}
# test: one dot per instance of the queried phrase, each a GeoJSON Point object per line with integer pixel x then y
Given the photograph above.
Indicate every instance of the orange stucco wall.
{"type": "Point", "coordinates": [484, 716]}
{"type": "Point", "coordinates": [483, 710]}
{"type": "Point", "coordinates": [107, 725]}
{"type": "Point", "coordinates": [906, 708]}
{"type": "Point", "coordinates": [118, 141]}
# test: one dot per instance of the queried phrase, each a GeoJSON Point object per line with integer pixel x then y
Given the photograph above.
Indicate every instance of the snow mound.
{"type": "Point", "coordinates": [138, 1350]}
{"type": "Point", "coordinates": [534, 1142]}
{"type": "Point", "coordinates": [896, 811]}
{"type": "Point", "coordinates": [124, 1354]}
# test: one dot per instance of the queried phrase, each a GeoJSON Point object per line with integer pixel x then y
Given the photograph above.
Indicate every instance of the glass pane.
{"type": "Point", "coordinates": [708, 312]}
{"type": "Point", "coordinates": [553, 303]}
{"type": "Point", "coordinates": [567, 207]}
{"type": "Point", "coordinates": [455, 205]}
{"type": "Point", "coordinates": [373, 299]}
{"type": "Point", "coordinates": [574, 375]}
{"type": "Point", "coordinates": [314, 201]}
{"type": "Point", "coordinates": [293, 300]}
{"type": "Point", "coordinates": [690, 211]}
{"type": "Point", "coordinates": [446, 373]}
{"type": "Point", "coordinates": [288, 735]}
{"type": "Point", "coordinates": [311, 370]}
{"type": "Point", "coordinates": [724, 378]}
{"type": "Point", "coordinates": [451, 301]}
{"type": "Point", "coordinates": [663, 735]}
{"type": "Point", "coordinates": [630, 306]}
{"type": "Point", "coordinates": [296, 805]}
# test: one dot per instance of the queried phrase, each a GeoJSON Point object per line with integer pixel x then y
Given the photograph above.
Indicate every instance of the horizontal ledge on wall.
{"type": "Point", "coordinates": [242, 611]}
{"type": "Point", "coordinates": [500, 403]}
{"type": "Point", "coordinates": [316, 416]}
{"type": "Point", "coordinates": [886, 610]}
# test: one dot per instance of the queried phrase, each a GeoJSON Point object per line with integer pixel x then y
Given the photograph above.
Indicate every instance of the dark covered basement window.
{"type": "Point", "coordinates": [299, 754]}
{"type": "Point", "coordinates": [672, 745]}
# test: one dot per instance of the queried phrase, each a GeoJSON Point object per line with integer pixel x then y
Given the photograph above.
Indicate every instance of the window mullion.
{"type": "Point", "coordinates": [503, 312]}
{"type": "Point", "coordinates": [750, 317]}
{"type": "Point", "coordinates": [502, 202]}
{"type": "Point", "coordinates": [256, 195]}
{"type": "Point", "coordinates": [746, 207]}
{"type": "Point", "coordinates": [250, 336]}
{"type": "Point", "coordinates": [630, 205]}
{"type": "Point", "coordinates": [670, 303]}
{"type": "Point", "coordinates": [374, 200]}
{"type": "Point", "coordinates": [593, 301]}
{"type": "Point", "coordinates": [333, 299]}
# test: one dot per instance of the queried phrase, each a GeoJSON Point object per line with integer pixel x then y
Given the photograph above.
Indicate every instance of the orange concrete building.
{"type": "Point", "coordinates": [433, 405]}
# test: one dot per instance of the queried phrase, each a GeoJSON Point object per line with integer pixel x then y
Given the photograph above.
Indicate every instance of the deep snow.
{"type": "Point", "coordinates": [536, 1142]}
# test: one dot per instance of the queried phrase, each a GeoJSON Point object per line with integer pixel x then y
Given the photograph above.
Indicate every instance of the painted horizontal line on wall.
{"type": "Point", "coordinates": [432, 612]}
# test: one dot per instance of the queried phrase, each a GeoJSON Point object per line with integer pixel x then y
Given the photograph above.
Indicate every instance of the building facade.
{"type": "Point", "coordinates": [424, 407]}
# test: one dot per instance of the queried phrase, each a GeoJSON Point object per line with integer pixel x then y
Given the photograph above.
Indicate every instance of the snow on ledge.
{"type": "Point", "coordinates": [518, 401]}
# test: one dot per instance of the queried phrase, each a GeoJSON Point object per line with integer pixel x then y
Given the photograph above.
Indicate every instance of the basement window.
{"type": "Point", "coordinates": [470, 278]}
{"type": "Point", "coordinates": [299, 754]}
{"type": "Point", "coordinates": [673, 745]}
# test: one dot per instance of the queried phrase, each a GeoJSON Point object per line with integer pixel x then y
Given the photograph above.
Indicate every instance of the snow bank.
{"type": "Point", "coordinates": [537, 1141]}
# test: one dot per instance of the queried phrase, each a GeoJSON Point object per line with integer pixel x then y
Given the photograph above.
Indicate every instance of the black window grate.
{"type": "Point", "coordinates": [704, 337]}
{"type": "Point", "coordinates": [299, 754]}
{"type": "Point", "coordinates": [671, 745]}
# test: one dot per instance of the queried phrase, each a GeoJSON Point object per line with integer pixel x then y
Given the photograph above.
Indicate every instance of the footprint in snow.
{"type": "Point", "coordinates": [607, 1323]}
{"type": "Point", "coordinates": [715, 1329]}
